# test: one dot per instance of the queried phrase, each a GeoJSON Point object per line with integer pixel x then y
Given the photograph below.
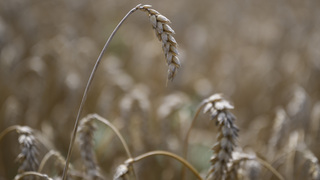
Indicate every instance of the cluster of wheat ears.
{"type": "Point", "coordinates": [227, 161]}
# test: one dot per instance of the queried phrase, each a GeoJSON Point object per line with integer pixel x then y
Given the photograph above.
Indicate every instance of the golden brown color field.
{"type": "Point", "coordinates": [263, 56]}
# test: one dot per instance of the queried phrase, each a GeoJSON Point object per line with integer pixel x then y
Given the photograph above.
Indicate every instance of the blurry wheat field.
{"type": "Point", "coordinates": [263, 56]}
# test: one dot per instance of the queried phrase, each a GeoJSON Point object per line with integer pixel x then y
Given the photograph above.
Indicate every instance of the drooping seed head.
{"type": "Point", "coordinates": [164, 33]}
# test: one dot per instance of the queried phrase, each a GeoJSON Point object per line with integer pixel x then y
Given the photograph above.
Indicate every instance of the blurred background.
{"type": "Point", "coordinates": [264, 56]}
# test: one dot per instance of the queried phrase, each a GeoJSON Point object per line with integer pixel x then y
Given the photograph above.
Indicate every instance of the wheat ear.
{"type": "Point", "coordinates": [314, 171]}
{"type": "Point", "coordinates": [219, 108]}
{"type": "Point", "coordinates": [86, 130]}
{"type": "Point", "coordinates": [28, 157]}
{"type": "Point", "coordinates": [165, 34]}
{"type": "Point", "coordinates": [239, 157]}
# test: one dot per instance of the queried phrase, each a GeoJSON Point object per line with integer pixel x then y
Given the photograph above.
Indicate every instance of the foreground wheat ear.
{"type": "Point", "coordinates": [164, 33]}
{"type": "Point", "coordinates": [28, 158]}
{"type": "Point", "coordinates": [219, 108]}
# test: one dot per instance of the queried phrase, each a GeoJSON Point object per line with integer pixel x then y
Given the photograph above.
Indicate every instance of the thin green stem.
{"type": "Point", "coordinates": [31, 173]}
{"type": "Point", "coordinates": [169, 154]}
{"type": "Point", "coordinates": [8, 130]}
{"type": "Point", "coordinates": [74, 132]}
{"type": "Point", "coordinates": [186, 140]}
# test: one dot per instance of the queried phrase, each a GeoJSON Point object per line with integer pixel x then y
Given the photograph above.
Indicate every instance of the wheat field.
{"type": "Point", "coordinates": [185, 90]}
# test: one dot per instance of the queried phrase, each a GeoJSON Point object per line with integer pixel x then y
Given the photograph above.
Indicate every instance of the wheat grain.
{"type": "Point", "coordinates": [86, 130]}
{"type": "Point", "coordinates": [219, 108]}
{"type": "Point", "coordinates": [165, 34]}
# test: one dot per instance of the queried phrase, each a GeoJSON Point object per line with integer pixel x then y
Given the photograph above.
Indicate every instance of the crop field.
{"type": "Point", "coordinates": [162, 90]}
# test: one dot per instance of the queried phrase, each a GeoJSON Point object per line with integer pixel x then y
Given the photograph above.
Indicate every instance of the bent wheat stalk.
{"type": "Point", "coordinates": [84, 98]}
{"type": "Point", "coordinates": [45, 159]}
{"type": "Point", "coordinates": [32, 173]}
{"type": "Point", "coordinates": [157, 153]}
{"type": "Point", "coordinates": [8, 130]}
{"type": "Point", "coordinates": [186, 140]}
{"type": "Point", "coordinates": [169, 47]}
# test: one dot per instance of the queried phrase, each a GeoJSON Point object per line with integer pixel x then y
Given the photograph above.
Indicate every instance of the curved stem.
{"type": "Point", "coordinates": [74, 132]}
{"type": "Point", "coordinates": [169, 154]}
{"type": "Point", "coordinates": [269, 167]}
{"type": "Point", "coordinates": [115, 130]}
{"type": "Point", "coordinates": [45, 159]}
{"type": "Point", "coordinates": [8, 130]}
{"type": "Point", "coordinates": [31, 173]}
{"type": "Point", "coordinates": [186, 140]}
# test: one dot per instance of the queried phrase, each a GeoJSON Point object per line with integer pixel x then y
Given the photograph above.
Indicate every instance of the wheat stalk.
{"type": "Point", "coordinates": [165, 34]}
{"type": "Point", "coordinates": [32, 174]}
{"type": "Point", "coordinates": [85, 94]}
{"type": "Point", "coordinates": [169, 46]}
{"type": "Point", "coordinates": [122, 169]}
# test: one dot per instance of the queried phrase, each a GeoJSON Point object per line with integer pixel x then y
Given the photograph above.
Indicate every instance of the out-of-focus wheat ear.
{"type": "Point", "coordinates": [28, 158]}
{"type": "Point", "coordinates": [314, 170]}
{"type": "Point", "coordinates": [122, 173]}
{"type": "Point", "coordinates": [169, 106]}
{"type": "Point", "coordinates": [236, 165]}
{"type": "Point", "coordinates": [218, 108]}
{"type": "Point", "coordinates": [279, 130]}
{"type": "Point", "coordinates": [135, 111]}
{"type": "Point", "coordinates": [253, 170]}
{"type": "Point", "coordinates": [165, 34]}
{"type": "Point", "coordinates": [299, 108]}
{"type": "Point", "coordinates": [86, 130]}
